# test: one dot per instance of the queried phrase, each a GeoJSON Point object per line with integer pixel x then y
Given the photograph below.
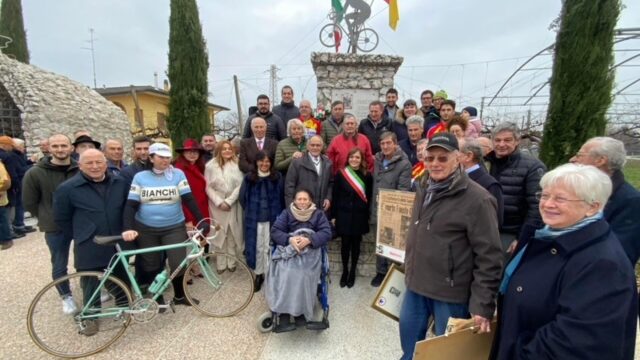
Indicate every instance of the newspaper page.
{"type": "Point", "coordinates": [394, 216]}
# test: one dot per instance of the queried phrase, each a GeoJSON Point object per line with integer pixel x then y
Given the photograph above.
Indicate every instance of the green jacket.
{"type": "Point", "coordinates": [329, 130]}
{"type": "Point", "coordinates": [284, 152]}
{"type": "Point", "coordinates": [38, 186]}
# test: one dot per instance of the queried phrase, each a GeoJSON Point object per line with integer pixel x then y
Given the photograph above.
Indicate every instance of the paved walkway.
{"type": "Point", "coordinates": [357, 331]}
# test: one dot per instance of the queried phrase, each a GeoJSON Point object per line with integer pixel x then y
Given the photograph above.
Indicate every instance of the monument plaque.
{"type": "Point", "coordinates": [356, 101]}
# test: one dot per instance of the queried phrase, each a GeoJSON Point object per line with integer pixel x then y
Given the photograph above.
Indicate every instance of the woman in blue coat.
{"type": "Point", "coordinates": [570, 293]}
{"type": "Point", "coordinates": [262, 199]}
{"type": "Point", "coordinates": [299, 234]}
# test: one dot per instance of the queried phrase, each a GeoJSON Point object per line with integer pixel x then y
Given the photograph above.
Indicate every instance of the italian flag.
{"type": "Point", "coordinates": [394, 14]}
{"type": "Point", "coordinates": [354, 180]}
{"type": "Point", "coordinates": [339, 10]}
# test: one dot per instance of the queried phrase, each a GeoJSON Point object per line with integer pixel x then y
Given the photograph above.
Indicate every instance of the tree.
{"type": "Point", "coordinates": [188, 65]}
{"type": "Point", "coordinates": [581, 81]}
{"type": "Point", "coordinates": [12, 25]}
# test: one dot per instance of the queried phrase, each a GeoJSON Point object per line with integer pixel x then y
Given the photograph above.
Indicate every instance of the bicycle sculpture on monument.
{"type": "Point", "coordinates": [359, 37]}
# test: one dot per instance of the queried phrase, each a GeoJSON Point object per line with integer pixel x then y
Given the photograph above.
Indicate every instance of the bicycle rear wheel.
{"type": "Point", "coordinates": [87, 331]}
{"type": "Point", "coordinates": [219, 295]}
{"type": "Point", "coordinates": [367, 40]}
{"type": "Point", "coordinates": [328, 35]}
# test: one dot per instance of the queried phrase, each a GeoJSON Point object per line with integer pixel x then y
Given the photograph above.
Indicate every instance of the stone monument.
{"type": "Point", "coordinates": [35, 103]}
{"type": "Point", "coordinates": [355, 79]}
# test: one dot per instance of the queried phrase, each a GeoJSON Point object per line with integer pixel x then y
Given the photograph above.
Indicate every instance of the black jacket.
{"type": "Point", "coordinates": [132, 169]}
{"type": "Point", "coordinates": [372, 132]}
{"type": "Point", "coordinates": [623, 214]}
{"type": "Point", "coordinates": [410, 150]}
{"type": "Point", "coordinates": [482, 177]}
{"type": "Point", "coordinates": [286, 112]}
{"type": "Point", "coordinates": [519, 174]}
{"type": "Point", "coordinates": [82, 212]}
{"type": "Point", "coordinates": [348, 208]}
{"type": "Point", "coordinates": [275, 126]}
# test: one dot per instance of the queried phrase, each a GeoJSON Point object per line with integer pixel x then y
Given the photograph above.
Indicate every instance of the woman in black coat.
{"type": "Point", "coordinates": [352, 191]}
{"type": "Point", "coordinates": [570, 292]}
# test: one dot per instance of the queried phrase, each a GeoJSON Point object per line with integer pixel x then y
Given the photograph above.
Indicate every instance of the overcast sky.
{"type": "Point", "coordinates": [466, 47]}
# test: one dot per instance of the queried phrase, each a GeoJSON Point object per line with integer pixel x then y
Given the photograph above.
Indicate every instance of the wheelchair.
{"type": "Point", "coordinates": [270, 321]}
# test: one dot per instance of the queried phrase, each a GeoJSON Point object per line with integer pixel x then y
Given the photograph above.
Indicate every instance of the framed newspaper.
{"type": "Point", "coordinates": [394, 217]}
{"type": "Point", "coordinates": [389, 298]}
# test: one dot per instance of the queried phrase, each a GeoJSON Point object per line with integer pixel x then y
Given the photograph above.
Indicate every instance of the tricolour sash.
{"type": "Point", "coordinates": [355, 181]}
{"type": "Point", "coordinates": [418, 170]}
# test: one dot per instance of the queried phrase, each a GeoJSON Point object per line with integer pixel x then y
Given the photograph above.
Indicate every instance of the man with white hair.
{"type": "Point", "coordinates": [622, 211]}
{"type": "Point", "coordinates": [259, 141]}
{"type": "Point", "coordinates": [313, 125]}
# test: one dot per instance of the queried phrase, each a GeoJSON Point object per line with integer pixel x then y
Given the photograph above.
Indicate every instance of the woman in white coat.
{"type": "Point", "coordinates": [223, 187]}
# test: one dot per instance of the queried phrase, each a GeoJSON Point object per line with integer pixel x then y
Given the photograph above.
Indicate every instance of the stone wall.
{"type": "Point", "coordinates": [51, 103]}
{"type": "Point", "coordinates": [356, 77]}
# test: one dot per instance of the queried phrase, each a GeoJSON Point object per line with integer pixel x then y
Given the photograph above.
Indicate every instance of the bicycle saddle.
{"type": "Point", "coordinates": [107, 240]}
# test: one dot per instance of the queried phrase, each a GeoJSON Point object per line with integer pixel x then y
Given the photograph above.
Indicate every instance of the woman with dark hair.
{"type": "Point", "coordinates": [261, 197]}
{"type": "Point", "coordinates": [224, 179]}
{"type": "Point", "coordinates": [191, 161]}
{"type": "Point", "coordinates": [299, 234]}
{"type": "Point", "coordinates": [352, 190]}
{"type": "Point", "coordinates": [458, 126]}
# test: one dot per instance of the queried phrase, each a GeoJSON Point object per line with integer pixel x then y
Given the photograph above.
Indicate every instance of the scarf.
{"type": "Point", "coordinates": [302, 215]}
{"type": "Point", "coordinates": [417, 170]}
{"type": "Point", "coordinates": [440, 186]}
{"type": "Point", "coordinates": [263, 174]}
{"type": "Point", "coordinates": [546, 233]}
{"type": "Point", "coordinates": [168, 172]}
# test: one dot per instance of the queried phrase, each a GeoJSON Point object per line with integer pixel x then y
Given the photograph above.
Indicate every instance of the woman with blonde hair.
{"type": "Point", "coordinates": [224, 179]}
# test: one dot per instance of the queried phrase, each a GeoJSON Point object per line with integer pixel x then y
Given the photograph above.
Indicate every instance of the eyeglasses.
{"type": "Point", "coordinates": [541, 196]}
{"type": "Point", "coordinates": [441, 159]}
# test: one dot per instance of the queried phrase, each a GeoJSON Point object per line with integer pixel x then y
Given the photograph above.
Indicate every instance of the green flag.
{"type": "Point", "coordinates": [338, 9]}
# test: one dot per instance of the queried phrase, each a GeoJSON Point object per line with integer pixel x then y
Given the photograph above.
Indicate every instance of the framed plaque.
{"type": "Point", "coordinates": [389, 298]}
{"type": "Point", "coordinates": [394, 218]}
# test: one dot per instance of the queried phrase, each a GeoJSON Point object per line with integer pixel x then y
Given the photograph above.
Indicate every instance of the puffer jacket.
{"type": "Point", "coordinates": [453, 251]}
{"type": "Point", "coordinates": [395, 176]}
{"type": "Point", "coordinates": [372, 132]}
{"type": "Point", "coordinates": [519, 174]}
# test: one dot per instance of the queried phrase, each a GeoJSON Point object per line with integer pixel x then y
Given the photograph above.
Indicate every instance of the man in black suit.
{"type": "Point", "coordinates": [250, 147]}
{"type": "Point", "coordinates": [472, 161]}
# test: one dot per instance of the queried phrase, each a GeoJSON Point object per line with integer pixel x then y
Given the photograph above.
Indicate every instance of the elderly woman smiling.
{"type": "Point", "coordinates": [292, 147]}
{"type": "Point", "coordinates": [570, 293]}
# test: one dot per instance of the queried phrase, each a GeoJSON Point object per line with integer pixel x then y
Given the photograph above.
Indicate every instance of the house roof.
{"type": "Point", "coordinates": [125, 90]}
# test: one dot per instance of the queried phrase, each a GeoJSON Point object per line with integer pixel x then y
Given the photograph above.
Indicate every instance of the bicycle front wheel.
{"type": "Point", "coordinates": [75, 329]}
{"type": "Point", "coordinates": [218, 294]}
{"type": "Point", "coordinates": [367, 40]}
{"type": "Point", "coordinates": [328, 35]}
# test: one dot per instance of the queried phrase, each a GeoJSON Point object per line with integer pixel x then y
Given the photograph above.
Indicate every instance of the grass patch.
{"type": "Point", "coordinates": [632, 172]}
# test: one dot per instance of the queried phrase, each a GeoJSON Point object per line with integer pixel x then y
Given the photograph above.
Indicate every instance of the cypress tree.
{"type": "Point", "coordinates": [581, 82]}
{"type": "Point", "coordinates": [188, 65]}
{"type": "Point", "coordinates": [12, 25]}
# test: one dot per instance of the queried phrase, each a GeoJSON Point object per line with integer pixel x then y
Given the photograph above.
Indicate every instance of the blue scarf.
{"type": "Point", "coordinates": [548, 234]}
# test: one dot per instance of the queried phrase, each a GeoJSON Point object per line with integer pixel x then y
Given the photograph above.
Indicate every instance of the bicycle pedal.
{"type": "Point", "coordinates": [172, 306]}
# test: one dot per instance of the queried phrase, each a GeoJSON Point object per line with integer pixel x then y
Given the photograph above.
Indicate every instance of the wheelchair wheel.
{"type": "Point", "coordinates": [218, 294]}
{"type": "Point", "coordinates": [82, 333]}
{"type": "Point", "coordinates": [265, 322]}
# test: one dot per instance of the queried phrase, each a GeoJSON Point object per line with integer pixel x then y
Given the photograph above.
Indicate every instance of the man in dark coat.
{"type": "Point", "coordinates": [90, 204]}
{"type": "Point", "coordinates": [276, 129]}
{"type": "Point", "coordinates": [15, 167]}
{"type": "Point", "coordinates": [471, 161]}
{"type": "Point", "coordinates": [140, 158]}
{"type": "Point", "coordinates": [622, 211]}
{"type": "Point", "coordinates": [519, 174]}
{"type": "Point", "coordinates": [374, 125]}
{"type": "Point", "coordinates": [313, 172]}
{"type": "Point", "coordinates": [259, 141]}
{"type": "Point", "coordinates": [287, 109]}
{"type": "Point", "coordinates": [38, 185]}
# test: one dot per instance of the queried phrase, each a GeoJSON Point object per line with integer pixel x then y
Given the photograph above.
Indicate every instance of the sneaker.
{"type": "Point", "coordinates": [69, 306]}
{"type": "Point", "coordinates": [90, 328]}
{"type": "Point", "coordinates": [184, 301]}
{"type": "Point", "coordinates": [24, 229]}
{"type": "Point", "coordinates": [377, 280]}
{"type": "Point", "coordinates": [7, 244]}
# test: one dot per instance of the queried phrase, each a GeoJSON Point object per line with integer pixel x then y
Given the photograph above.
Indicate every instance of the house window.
{"type": "Point", "coordinates": [162, 121]}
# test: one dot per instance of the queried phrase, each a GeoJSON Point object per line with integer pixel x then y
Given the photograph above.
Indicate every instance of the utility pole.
{"type": "Point", "coordinates": [481, 106]}
{"type": "Point", "coordinates": [273, 83]}
{"type": "Point", "coordinates": [240, 122]}
{"type": "Point", "coordinates": [93, 55]}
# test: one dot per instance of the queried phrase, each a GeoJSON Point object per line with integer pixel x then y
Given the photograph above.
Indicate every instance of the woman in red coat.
{"type": "Point", "coordinates": [191, 162]}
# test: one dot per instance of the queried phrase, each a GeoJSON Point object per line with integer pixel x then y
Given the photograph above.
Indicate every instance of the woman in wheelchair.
{"type": "Point", "coordinates": [299, 234]}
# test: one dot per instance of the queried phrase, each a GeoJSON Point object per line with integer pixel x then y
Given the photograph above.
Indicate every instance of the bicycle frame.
{"type": "Point", "coordinates": [122, 257]}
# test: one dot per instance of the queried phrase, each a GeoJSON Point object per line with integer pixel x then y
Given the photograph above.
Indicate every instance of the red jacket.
{"type": "Point", "coordinates": [198, 185]}
{"type": "Point", "coordinates": [313, 126]}
{"type": "Point", "coordinates": [338, 151]}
